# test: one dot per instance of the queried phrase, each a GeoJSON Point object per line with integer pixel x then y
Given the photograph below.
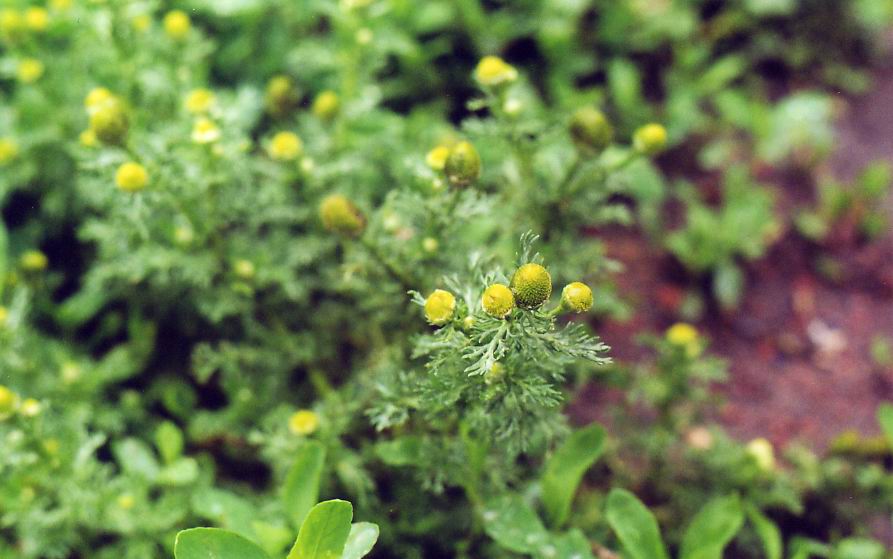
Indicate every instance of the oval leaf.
{"type": "Point", "coordinates": [566, 468]}
{"type": "Point", "coordinates": [301, 489]}
{"type": "Point", "coordinates": [635, 526]}
{"type": "Point", "coordinates": [214, 543]}
{"type": "Point", "coordinates": [361, 540]}
{"type": "Point", "coordinates": [325, 531]}
{"type": "Point", "coordinates": [712, 529]}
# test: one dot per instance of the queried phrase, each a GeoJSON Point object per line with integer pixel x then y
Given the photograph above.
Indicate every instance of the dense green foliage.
{"type": "Point", "coordinates": [259, 253]}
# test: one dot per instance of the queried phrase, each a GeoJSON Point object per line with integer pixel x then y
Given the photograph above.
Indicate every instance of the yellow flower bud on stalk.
{"type": "Point", "coordinates": [8, 151]}
{"type": "Point", "coordinates": [577, 297]}
{"type": "Point", "coordinates": [29, 70]}
{"type": "Point", "coordinates": [326, 105]}
{"type": "Point", "coordinates": [177, 24]}
{"type": "Point", "coordinates": [200, 101]}
{"type": "Point", "coordinates": [109, 121]}
{"type": "Point", "coordinates": [498, 300]}
{"type": "Point", "coordinates": [650, 139]}
{"type": "Point", "coordinates": [303, 422]}
{"type": "Point", "coordinates": [685, 336]}
{"type": "Point", "coordinates": [281, 95]}
{"type": "Point", "coordinates": [763, 454]}
{"type": "Point", "coordinates": [532, 286]}
{"type": "Point", "coordinates": [340, 215]}
{"type": "Point", "coordinates": [34, 261]}
{"type": "Point", "coordinates": [439, 307]}
{"type": "Point", "coordinates": [462, 165]}
{"type": "Point", "coordinates": [590, 130]}
{"type": "Point", "coordinates": [131, 177]}
{"type": "Point", "coordinates": [285, 146]}
{"type": "Point", "coordinates": [493, 71]}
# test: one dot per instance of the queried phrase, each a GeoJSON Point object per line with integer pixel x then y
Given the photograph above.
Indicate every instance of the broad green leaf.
{"type": "Point", "coordinates": [402, 451]}
{"type": "Point", "coordinates": [324, 533]}
{"type": "Point", "coordinates": [514, 525]}
{"type": "Point", "coordinates": [635, 526]}
{"type": "Point", "coordinates": [712, 529]}
{"type": "Point", "coordinates": [214, 543]}
{"type": "Point", "coordinates": [361, 540]}
{"type": "Point", "coordinates": [182, 472]}
{"type": "Point", "coordinates": [169, 441]}
{"type": "Point", "coordinates": [136, 458]}
{"type": "Point", "coordinates": [570, 545]}
{"type": "Point", "coordinates": [301, 489]}
{"type": "Point", "coordinates": [767, 531]}
{"type": "Point", "coordinates": [565, 469]}
{"type": "Point", "coordinates": [858, 548]}
{"type": "Point", "coordinates": [226, 509]}
{"type": "Point", "coordinates": [885, 419]}
{"type": "Point", "coordinates": [274, 538]}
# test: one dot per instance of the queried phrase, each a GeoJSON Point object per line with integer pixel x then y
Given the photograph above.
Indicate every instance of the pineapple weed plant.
{"type": "Point", "coordinates": [248, 263]}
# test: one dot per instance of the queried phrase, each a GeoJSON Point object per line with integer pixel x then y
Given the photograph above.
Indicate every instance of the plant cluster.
{"type": "Point", "coordinates": [256, 255]}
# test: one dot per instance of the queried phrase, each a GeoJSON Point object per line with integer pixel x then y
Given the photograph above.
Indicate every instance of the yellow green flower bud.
{"type": "Point", "coordinates": [199, 101]}
{"type": "Point", "coordinates": [30, 407]}
{"type": "Point", "coordinates": [285, 146]}
{"type": "Point", "coordinates": [590, 130]}
{"type": "Point", "coordinates": [34, 261]}
{"type": "Point", "coordinates": [244, 269]}
{"type": "Point", "coordinates": [532, 286]}
{"type": "Point", "coordinates": [493, 71]}
{"type": "Point", "coordinates": [339, 215]}
{"type": "Point", "coordinates": [439, 307]}
{"type": "Point", "coordinates": [142, 22]}
{"type": "Point", "coordinates": [326, 105]}
{"type": "Point", "coordinates": [685, 336]}
{"type": "Point", "coordinates": [430, 245]}
{"type": "Point", "coordinates": [131, 177]}
{"type": "Point", "coordinates": [4, 315]}
{"type": "Point", "coordinates": [303, 422]}
{"type": "Point", "coordinates": [8, 150]}
{"type": "Point", "coordinates": [577, 297]}
{"type": "Point", "coordinates": [109, 121]}
{"type": "Point", "coordinates": [437, 157]}
{"type": "Point", "coordinates": [763, 454]}
{"type": "Point", "coordinates": [126, 501]}
{"type": "Point", "coordinates": [177, 24]}
{"type": "Point", "coordinates": [8, 402]}
{"type": "Point", "coordinates": [281, 95]}
{"type": "Point", "coordinates": [463, 164]}
{"type": "Point", "coordinates": [36, 19]}
{"type": "Point", "coordinates": [495, 374]}
{"type": "Point", "coordinates": [650, 139]}
{"type": "Point", "coordinates": [96, 98]}
{"type": "Point", "coordinates": [29, 70]}
{"type": "Point", "coordinates": [498, 300]}
{"type": "Point", "coordinates": [205, 131]}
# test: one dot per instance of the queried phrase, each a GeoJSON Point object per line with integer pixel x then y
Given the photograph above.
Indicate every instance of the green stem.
{"type": "Point", "coordinates": [571, 174]}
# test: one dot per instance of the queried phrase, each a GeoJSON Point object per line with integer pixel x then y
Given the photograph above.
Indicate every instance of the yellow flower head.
{"type": "Point", "coordinates": [244, 269]}
{"type": "Point", "coordinates": [177, 24]}
{"type": "Point", "coordinates": [650, 139]}
{"type": "Point", "coordinates": [462, 165]}
{"type": "Point", "coordinates": [30, 407]}
{"type": "Point", "coordinates": [126, 501]}
{"type": "Point", "coordinates": [88, 138]}
{"type": "Point", "coordinates": [685, 336]}
{"type": "Point", "coordinates": [325, 106]}
{"type": "Point", "coordinates": [142, 22]}
{"type": "Point", "coordinates": [11, 21]}
{"type": "Point", "coordinates": [131, 177]}
{"type": "Point", "coordinates": [8, 150]}
{"type": "Point", "coordinates": [303, 422]}
{"type": "Point", "coordinates": [97, 97]}
{"type": "Point", "coordinates": [498, 300]}
{"type": "Point", "coordinates": [763, 454]}
{"type": "Point", "coordinates": [281, 95]}
{"type": "Point", "coordinates": [493, 71]}
{"type": "Point", "coordinates": [285, 146]}
{"type": "Point", "coordinates": [532, 285]}
{"type": "Point", "coordinates": [340, 215]}
{"type": "Point", "coordinates": [205, 131]}
{"type": "Point", "coordinates": [33, 261]}
{"type": "Point", "coordinates": [436, 158]}
{"type": "Point", "coordinates": [9, 401]}
{"type": "Point", "coordinates": [439, 307]}
{"type": "Point", "coordinates": [577, 297]}
{"type": "Point", "coordinates": [109, 120]}
{"type": "Point", "coordinates": [4, 315]}
{"type": "Point", "coordinates": [199, 100]}
{"type": "Point", "coordinates": [36, 19]}
{"type": "Point", "coordinates": [30, 70]}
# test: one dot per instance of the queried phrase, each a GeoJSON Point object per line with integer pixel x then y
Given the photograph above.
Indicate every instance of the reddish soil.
{"type": "Point", "coordinates": [799, 346]}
